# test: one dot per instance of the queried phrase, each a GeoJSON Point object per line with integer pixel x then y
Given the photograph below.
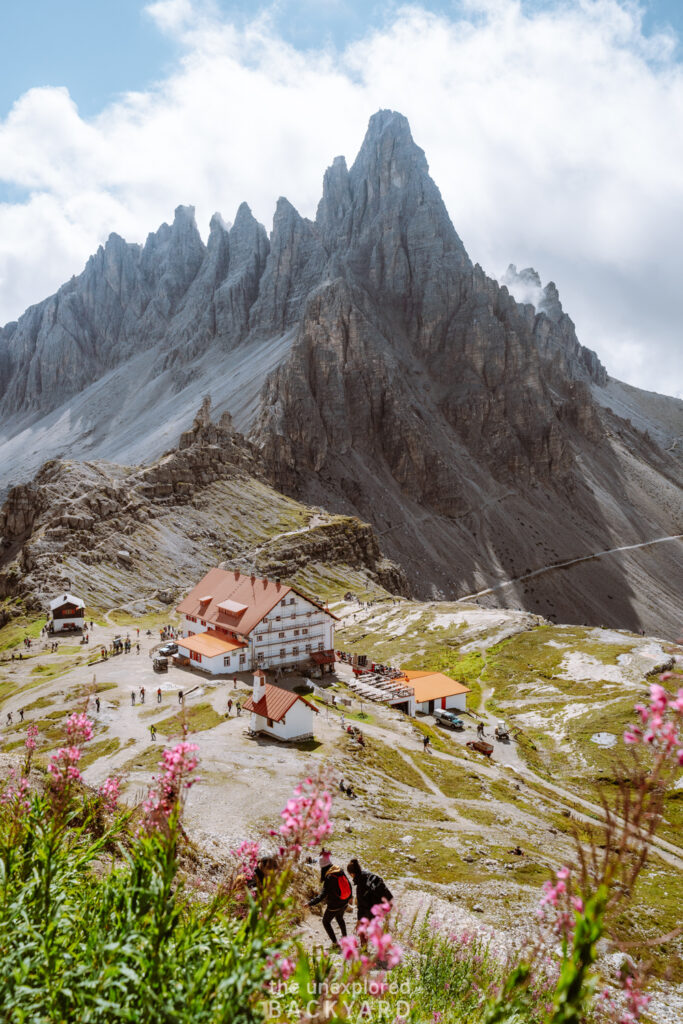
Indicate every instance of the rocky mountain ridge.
{"type": "Point", "coordinates": [377, 372]}
{"type": "Point", "coordinates": [102, 527]}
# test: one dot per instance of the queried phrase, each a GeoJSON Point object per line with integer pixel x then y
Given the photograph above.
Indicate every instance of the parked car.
{"type": "Point", "coordinates": [448, 720]}
{"type": "Point", "coordinates": [160, 664]}
{"type": "Point", "coordinates": [168, 649]}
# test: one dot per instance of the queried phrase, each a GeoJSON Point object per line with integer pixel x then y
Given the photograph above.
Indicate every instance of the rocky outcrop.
{"type": "Point", "coordinates": [93, 513]}
{"type": "Point", "coordinates": [343, 540]}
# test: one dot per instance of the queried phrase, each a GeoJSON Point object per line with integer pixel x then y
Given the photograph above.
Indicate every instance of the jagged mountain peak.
{"type": "Point", "coordinates": [388, 157]}
{"type": "Point", "coordinates": [379, 371]}
{"type": "Point", "coordinates": [218, 224]}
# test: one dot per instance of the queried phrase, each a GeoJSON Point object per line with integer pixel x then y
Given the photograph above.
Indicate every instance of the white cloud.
{"type": "Point", "coordinates": [553, 136]}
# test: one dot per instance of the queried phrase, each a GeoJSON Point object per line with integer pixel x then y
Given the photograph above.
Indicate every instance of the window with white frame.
{"type": "Point", "coordinates": [295, 650]}
{"type": "Point", "coordinates": [283, 652]}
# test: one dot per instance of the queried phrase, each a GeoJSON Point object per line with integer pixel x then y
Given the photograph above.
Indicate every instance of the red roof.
{"type": "Point", "coordinates": [275, 703]}
{"type": "Point", "coordinates": [238, 602]}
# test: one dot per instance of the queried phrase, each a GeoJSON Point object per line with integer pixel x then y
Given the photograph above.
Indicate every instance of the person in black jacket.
{"type": "Point", "coordinates": [370, 889]}
{"type": "Point", "coordinates": [336, 893]}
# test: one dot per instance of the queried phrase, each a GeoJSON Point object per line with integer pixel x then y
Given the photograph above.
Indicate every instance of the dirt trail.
{"type": "Point", "coordinates": [571, 561]}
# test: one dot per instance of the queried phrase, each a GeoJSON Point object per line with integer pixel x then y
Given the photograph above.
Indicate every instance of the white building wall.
{"type": "Point", "coordinates": [295, 627]}
{"type": "Point", "coordinates": [193, 625]}
{"type": "Point", "coordinates": [456, 702]}
{"type": "Point", "coordinates": [220, 665]}
{"type": "Point", "coordinates": [298, 724]}
{"type": "Point", "coordinates": [59, 624]}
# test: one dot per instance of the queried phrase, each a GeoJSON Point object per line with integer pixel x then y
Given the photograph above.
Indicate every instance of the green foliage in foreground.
{"type": "Point", "coordinates": [96, 926]}
{"type": "Point", "coordinates": [92, 930]}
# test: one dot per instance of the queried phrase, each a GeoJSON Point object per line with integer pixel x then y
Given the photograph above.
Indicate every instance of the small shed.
{"type": "Point", "coordinates": [436, 690]}
{"type": "Point", "coordinates": [324, 660]}
{"type": "Point", "coordinates": [279, 713]}
{"type": "Point", "coordinates": [67, 612]}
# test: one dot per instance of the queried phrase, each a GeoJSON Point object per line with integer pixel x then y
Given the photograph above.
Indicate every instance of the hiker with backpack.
{"type": "Point", "coordinates": [336, 893]}
{"type": "Point", "coordinates": [370, 889]}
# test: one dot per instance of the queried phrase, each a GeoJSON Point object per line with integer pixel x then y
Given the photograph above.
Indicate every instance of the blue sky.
{"type": "Point", "coordinates": [552, 128]}
{"type": "Point", "coordinates": [101, 48]}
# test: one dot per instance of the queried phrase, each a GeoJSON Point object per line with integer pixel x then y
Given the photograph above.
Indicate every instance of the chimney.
{"type": "Point", "coordinates": [259, 685]}
{"type": "Point", "coordinates": [237, 574]}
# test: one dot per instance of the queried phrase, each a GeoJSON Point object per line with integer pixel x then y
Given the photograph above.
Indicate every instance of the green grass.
{"type": "Point", "coordinates": [437, 739]}
{"type": "Point", "coordinates": [389, 762]}
{"type": "Point", "coordinates": [363, 717]}
{"type": "Point", "coordinates": [454, 780]}
{"type": "Point", "coordinates": [96, 749]}
{"type": "Point", "coordinates": [148, 620]}
{"type": "Point", "coordinates": [332, 582]}
{"type": "Point", "coordinates": [12, 633]}
{"type": "Point", "coordinates": [11, 688]}
{"type": "Point", "coordinates": [146, 759]}
{"type": "Point", "coordinates": [654, 912]}
{"type": "Point", "coordinates": [197, 717]}
{"type": "Point", "coordinates": [41, 702]}
{"type": "Point", "coordinates": [52, 671]}
{"type": "Point", "coordinates": [436, 861]}
{"type": "Point", "coordinates": [94, 688]}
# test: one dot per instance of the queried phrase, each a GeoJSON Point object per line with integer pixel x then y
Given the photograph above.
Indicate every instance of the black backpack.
{"type": "Point", "coordinates": [377, 890]}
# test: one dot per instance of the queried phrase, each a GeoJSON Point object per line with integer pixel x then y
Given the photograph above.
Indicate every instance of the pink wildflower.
{"type": "Point", "coordinates": [16, 796]}
{"type": "Point", "coordinates": [246, 855]}
{"type": "Point", "coordinates": [79, 728]}
{"type": "Point", "coordinates": [178, 764]}
{"type": "Point", "coordinates": [350, 947]}
{"type": "Point", "coordinates": [386, 949]}
{"type": "Point", "coordinates": [636, 1000]}
{"type": "Point", "coordinates": [659, 731]}
{"type": "Point", "coordinates": [110, 791]}
{"type": "Point", "coordinates": [62, 766]}
{"type": "Point", "coordinates": [285, 967]}
{"type": "Point", "coordinates": [306, 817]}
{"type": "Point", "coordinates": [31, 737]}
